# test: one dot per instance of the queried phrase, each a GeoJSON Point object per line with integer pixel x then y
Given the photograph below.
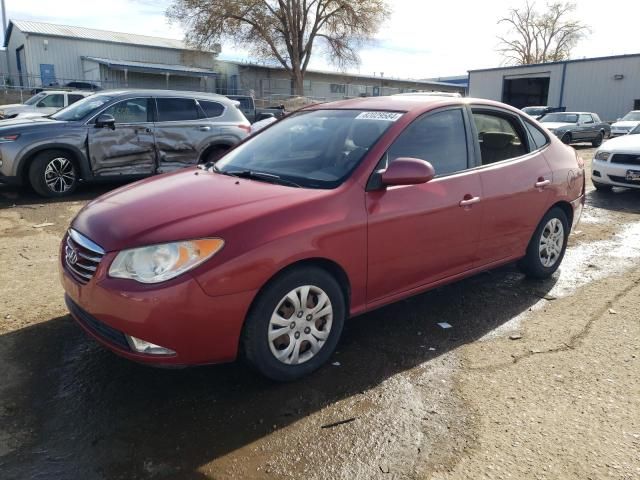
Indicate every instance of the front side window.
{"type": "Point", "coordinates": [52, 101]}
{"type": "Point", "coordinates": [211, 109]}
{"type": "Point", "coordinates": [586, 119]}
{"type": "Point", "coordinates": [439, 138]}
{"type": "Point", "coordinates": [314, 149]}
{"type": "Point", "coordinates": [35, 99]}
{"type": "Point", "coordinates": [500, 137]}
{"type": "Point", "coordinates": [177, 109]}
{"type": "Point", "coordinates": [135, 110]}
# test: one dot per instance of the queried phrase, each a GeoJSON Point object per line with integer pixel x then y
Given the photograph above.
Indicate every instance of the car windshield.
{"type": "Point", "coordinates": [533, 110]}
{"type": "Point", "coordinates": [82, 108]}
{"type": "Point", "coordinates": [631, 117]}
{"type": "Point", "coordinates": [635, 131]}
{"type": "Point", "coordinates": [314, 149]}
{"type": "Point", "coordinates": [560, 118]}
{"type": "Point", "coordinates": [35, 99]}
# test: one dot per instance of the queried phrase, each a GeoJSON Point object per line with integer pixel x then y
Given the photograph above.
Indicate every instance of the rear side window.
{"type": "Point", "coordinates": [177, 109]}
{"type": "Point", "coordinates": [211, 109]}
{"type": "Point", "coordinates": [539, 138]}
{"type": "Point", "coordinates": [74, 98]}
{"type": "Point", "coordinates": [500, 137]}
{"type": "Point", "coordinates": [438, 138]}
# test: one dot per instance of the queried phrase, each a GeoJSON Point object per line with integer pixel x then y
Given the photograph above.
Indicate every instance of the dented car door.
{"type": "Point", "coordinates": [129, 148]}
{"type": "Point", "coordinates": [181, 133]}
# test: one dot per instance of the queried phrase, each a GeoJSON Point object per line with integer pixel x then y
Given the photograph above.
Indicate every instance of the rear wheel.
{"type": "Point", "coordinates": [213, 154]}
{"type": "Point", "coordinates": [598, 140]}
{"type": "Point", "coordinates": [566, 139]}
{"type": "Point", "coordinates": [53, 173]}
{"type": "Point", "coordinates": [601, 187]}
{"type": "Point", "coordinates": [547, 245]}
{"type": "Point", "coordinates": [295, 324]}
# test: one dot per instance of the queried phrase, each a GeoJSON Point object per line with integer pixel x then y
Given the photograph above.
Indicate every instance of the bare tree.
{"type": "Point", "coordinates": [539, 37]}
{"type": "Point", "coordinates": [283, 30]}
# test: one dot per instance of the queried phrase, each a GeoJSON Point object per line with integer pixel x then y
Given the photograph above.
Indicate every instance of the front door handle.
{"type": "Point", "coordinates": [541, 183]}
{"type": "Point", "coordinates": [204, 128]}
{"type": "Point", "coordinates": [469, 200]}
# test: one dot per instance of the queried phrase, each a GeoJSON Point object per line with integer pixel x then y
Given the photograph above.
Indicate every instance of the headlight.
{"type": "Point", "coordinates": [9, 138]}
{"type": "Point", "coordinates": [158, 263]}
{"type": "Point", "coordinates": [604, 156]}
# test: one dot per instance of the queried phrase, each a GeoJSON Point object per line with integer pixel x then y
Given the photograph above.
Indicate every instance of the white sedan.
{"type": "Point", "coordinates": [617, 162]}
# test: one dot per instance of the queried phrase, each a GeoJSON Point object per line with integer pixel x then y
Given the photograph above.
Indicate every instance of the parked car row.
{"type": "Point", "coordinates": [117, 134]}
{"type": "Point", "coordinates": [574, 127]}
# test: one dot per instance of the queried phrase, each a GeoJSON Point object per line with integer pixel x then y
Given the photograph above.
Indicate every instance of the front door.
{"type": "Point", "coordinates": [515, 176]}
{"type": "Point", "coordinates": [181, 133]}
{"type": "Point", "coordinates": [47, 74]}
{"type": "Point", "coordinates": [129, 149]}
{"type": "Point", "coordinates": [419, 234]}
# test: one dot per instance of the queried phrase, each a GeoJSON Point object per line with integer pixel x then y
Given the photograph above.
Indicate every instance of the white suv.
{"type": "Point", "coordinates": [625, 124]}
{"type": "Point", "coordinates": [44, 103]}
{"type": "Point", "coordinates": [617, 162]}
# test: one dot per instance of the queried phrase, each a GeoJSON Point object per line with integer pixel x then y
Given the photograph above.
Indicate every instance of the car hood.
{"type": "Point", "coordinates": [191, 203]}
{"type": "Point", "coordinates": [628, 123]}
{"type": "Point", "coordinates": [19, 123]}
{"type": "Point", "coordinates": [554, 125]}
{"type": "Point", "coordinates": [15, 107]}
{"type": "Point", "coordinates": [624, 144]}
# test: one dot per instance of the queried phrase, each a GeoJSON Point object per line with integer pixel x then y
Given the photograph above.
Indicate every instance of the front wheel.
{"type": "Point", "coordinates": [53, 173]}
{"type": "Point", "coordinates": [598, 140]}
{"type": "Point", "coordinates": [295, 324]}
{"type": "Point", "coordinates": [566, 139]}
{"type": "Point", "coordinates": [547, 245]}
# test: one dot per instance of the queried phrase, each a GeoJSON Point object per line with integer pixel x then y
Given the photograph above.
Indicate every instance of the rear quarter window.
{"type": "Point", "coordinates": [211, 109]}
{"type": "Point", "coordinates": [538, 137]}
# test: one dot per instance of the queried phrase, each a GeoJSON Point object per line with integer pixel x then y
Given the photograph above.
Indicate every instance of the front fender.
{"type": "Point", "coordinates": [78, 149]}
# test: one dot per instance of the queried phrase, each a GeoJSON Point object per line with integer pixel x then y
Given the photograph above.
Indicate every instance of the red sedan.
{"type": "Point", "coordinates": [334, 211]}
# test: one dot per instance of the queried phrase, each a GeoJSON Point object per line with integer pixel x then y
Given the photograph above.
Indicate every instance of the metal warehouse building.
{"type": "Point", "coordinates": [43, 54]}
{"type": "Point", "coordinates": [608, 86]}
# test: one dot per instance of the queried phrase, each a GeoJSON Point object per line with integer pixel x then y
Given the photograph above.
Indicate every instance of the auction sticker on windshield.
{"type": "Point", "coordinates": [385, 116]}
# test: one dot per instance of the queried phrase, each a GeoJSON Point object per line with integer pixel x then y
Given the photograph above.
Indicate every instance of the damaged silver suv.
{"type": "Point", "coordinates": [118, 134]}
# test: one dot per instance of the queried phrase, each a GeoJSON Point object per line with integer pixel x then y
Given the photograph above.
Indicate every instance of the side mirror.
{"type": "Point", "coordinates": [106, 120]}
{"type": "Point", "coordinates": [407, 171]}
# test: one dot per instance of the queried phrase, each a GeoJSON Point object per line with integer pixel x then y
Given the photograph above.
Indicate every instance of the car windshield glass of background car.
{"type": "Point", "coordinates": [316, 149]}
{"type": "Point", "coordinates": [560, 118]}
{"type": "Point", "coordinates": [631, 117]}
{"type": "Point", "coordinates": [81, 108]}
{"type": "Point", "coordinates": [35, 99]}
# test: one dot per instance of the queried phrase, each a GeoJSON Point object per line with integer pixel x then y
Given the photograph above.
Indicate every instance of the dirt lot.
{"type": "Point", "coordinates": [535, 380]}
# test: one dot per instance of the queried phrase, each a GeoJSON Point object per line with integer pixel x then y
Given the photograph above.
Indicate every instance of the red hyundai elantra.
{"type": "Point", "coordinates": [336, 210]}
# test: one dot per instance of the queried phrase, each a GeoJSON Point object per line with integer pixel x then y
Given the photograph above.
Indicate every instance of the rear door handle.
{"type": "Point", "coordinates": [541, 183]}
{"type": "Point", "coordinates": [469, 200]}
{"type": "Point", "coordinates": [204, 128]}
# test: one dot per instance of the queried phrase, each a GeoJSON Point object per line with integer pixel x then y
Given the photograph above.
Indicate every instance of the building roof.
{"type": "Point", "coordinates": [151, 67]}
{"type": "Point", "coordinates": [592, 59]}
{"type": "Point", "coordinates": [426, 83]}
{"type": "Point", "coordinates": [67, 31]}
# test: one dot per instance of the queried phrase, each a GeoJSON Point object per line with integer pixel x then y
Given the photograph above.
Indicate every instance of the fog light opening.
{"type": "Point", "coordinates": [596, 173]}
{"type": "Point", "coordinates": [142, 346]}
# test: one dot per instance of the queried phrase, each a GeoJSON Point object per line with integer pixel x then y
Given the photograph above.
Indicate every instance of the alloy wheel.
{"type": "Point", "coordinates": [551, 242]}
{"type": "Point", "coordinates": [60, 175]}
{"type": "Point", "coordinates": [300, 325]}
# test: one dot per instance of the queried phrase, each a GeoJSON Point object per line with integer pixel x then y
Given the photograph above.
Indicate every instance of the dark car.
{"type": "Point", "coordinates": [328, 213]}
{"type": "Point", "coordinates": [118, 134]}
{"type": "Point", "coordinates": [576, 127]}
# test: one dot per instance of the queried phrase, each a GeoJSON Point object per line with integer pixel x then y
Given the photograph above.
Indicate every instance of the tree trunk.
{"type": "Point", "coordinates": [298, 81]}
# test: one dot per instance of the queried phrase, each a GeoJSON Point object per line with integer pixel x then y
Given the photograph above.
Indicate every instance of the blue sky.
{"type": "Point", "coordinates": [420, 39]}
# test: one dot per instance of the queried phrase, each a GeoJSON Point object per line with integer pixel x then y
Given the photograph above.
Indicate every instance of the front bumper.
{"type": "Point", "coordinates": [177, 315]}
{"type": "Point", "coordinates": [614, 174]}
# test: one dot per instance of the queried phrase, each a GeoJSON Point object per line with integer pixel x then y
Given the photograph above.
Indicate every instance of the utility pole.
{"type": "Point", "coordinates": [4, 33]}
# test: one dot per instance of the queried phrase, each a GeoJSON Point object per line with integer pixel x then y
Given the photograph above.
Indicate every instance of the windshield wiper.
{"type": "Point", "coordinates": [252, 174]}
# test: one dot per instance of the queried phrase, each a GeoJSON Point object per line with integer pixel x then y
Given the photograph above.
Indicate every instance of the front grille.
{"type": "Point", "coordinates": [626, 158]}
{"type": "Point", "coordinates": [618, 179]}
{"type": "Point", "coordinates": [102, 330]}
{"type": "Point", "coordinates": [81, 256]}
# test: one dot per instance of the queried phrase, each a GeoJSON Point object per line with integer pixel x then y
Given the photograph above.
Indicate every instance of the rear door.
{"type": "Point", "coordinates": [129, 149]}
{"type": "Point", "coordinates": [419, 234]}
{"type": "Point", "coordinates": [181, 133]}
{"type": "Point", "coordinates": [515, 178]}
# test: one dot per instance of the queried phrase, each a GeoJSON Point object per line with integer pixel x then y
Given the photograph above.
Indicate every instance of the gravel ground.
{"type": "Point", "coordinates": [535, 379]}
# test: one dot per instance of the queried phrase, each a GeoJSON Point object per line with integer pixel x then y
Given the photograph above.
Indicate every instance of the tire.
{"type": "Point", "coordinates": [273, 305]}
{"type": "Point", "coordinates": [54, 174]}
{"type": "Point", "coordinates": [566, 139]}
{"type": "Point", "coordinates": [598, 140]}
{"type": "Point", "coordinates": [214, 154]}
{"type": "Point", "coordinates": [602, 187]}
{"type": "Point", "coordinates": [542, 264]}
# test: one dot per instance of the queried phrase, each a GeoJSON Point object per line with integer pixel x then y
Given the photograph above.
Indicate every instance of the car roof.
{"type": "Point", "coordinates": [163, 93]}
{"type": "Point", "coordinates": [81, 92]}
{"type": "Point", "coordinates": [405, 103]}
